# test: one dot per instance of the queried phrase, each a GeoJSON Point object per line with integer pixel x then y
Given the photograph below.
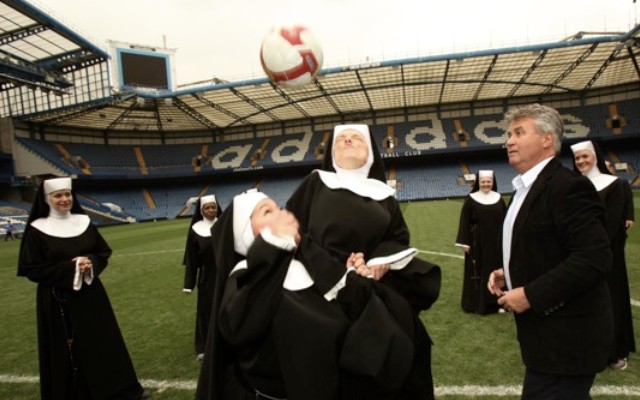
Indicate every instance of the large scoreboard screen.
{"type": "Point", "coordinates": [142, 67]}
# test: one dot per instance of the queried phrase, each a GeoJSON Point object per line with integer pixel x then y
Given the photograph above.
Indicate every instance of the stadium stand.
{"type": "Point", "coordinates": [418, 138]}
{"type": "Point", "coordinates": [429, 157]}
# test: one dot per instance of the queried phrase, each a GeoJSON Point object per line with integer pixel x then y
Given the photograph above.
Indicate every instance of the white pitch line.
{"type": "Point", "coordinates": [465, 390]}
{"type": "Point", "coordinates": [18, 379]}
{"type": "Point", "coordinates": [145, 253]}
{"type": "Point", "coordinates": [442, 254]}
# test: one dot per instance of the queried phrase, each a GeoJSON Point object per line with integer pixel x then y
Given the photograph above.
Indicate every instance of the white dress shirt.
{"type": "Point", "coordinates": [521, 183]}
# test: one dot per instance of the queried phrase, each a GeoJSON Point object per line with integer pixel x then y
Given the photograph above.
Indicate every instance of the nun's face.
{"type": "Point", "coordinates": [210, 211]}
{"type": "Point", "coordinates": [350, 149]}
{"type": "Point", "coordinates": [61, 200]}
{"type": "Point", "coordinates": [585, 160]}
{"type": "Point", "coordinates": [263, 215]}
{"type": "Point", "coordinates": [280, 221]}
{"type": "Point", "coordinates": [486, 184]}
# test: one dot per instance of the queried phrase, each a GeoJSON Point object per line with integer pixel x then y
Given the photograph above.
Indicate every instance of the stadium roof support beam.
{"type": "Point", "coordinates": [634, 60]}
{"type": "Point", "coordinates": [31, 74]}
{"type": "Point", "coordinates": [193, 113]}
{"type": "Point", "coordinates": [57, 114]}
{"type": "Point", "coordinates": [257, 106]}
{"type": "Point", "coordinates": [570, 68]}
{"type": "Point", "coordinates": [484, 78]}
{"type": "Point", "coordinates": [290, 100]}
{"type": "Point", "coordinates": [600, 70]}
{"type": "Point", "coordinates": [328, 97]}
{"type": "Point", "coordinates": [156, 113]}
{"type": "Point", "coordinates": [121, 117]}
{"type": "Point", "coordinates": [528, 73]}
{"type": "Point", "coordinates": [80, 112]}
{"type": "Point", "coordinates": [19, 34]}
{"type": "Point", "coordinates": [444, 82]}
{"type": "Point", "coordinates": [364, 92]}
{"type": "Point", "coordinates": [71, 61]}
{"type": "Point", "coordinates": [404, 90]}
{"type": "Point", "coordinates": [215, 106]}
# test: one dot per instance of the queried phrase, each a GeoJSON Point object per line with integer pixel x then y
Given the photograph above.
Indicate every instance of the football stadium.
{"type": "Point", "coordinates": [141, 150]}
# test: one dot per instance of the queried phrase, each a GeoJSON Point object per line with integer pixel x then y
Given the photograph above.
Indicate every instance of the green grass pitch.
{"type": "Point", "coordinates": [473, 356]}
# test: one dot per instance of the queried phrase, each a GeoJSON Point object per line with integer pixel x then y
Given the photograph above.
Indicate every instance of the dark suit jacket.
{"type": "Point", "coordinates": [560, 253]}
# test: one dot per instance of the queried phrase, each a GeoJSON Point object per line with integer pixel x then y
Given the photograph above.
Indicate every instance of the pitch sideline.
{"type": "Point", "coordinates": [465, 390]}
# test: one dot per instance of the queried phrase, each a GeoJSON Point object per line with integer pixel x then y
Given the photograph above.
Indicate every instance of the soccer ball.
{"type": "Point", "coordinates": [291, 55]}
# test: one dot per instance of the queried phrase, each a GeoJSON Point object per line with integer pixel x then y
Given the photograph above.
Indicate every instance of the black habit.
{"type": "Point", "coordinates": [337, 222]}
{"type": "Point", "coordinates": [264, 338]}
{"type": "Point", "coordinates": [81, 350]}
{"type": "Point", "coordinates": [199, 270]}
{"type": "Point", "coordinates": [613, 197]}
{"type": "Point", "coordinates": [481, 229]}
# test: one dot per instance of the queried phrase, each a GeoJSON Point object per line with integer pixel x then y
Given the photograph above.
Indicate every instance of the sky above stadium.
{"type": "Point", "coordinates": [221, 38]}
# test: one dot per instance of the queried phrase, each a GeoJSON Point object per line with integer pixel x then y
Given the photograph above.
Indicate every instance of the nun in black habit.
{"type": "Point", "coordinates": [200, 265]}
{"type": "Point", "coordinates": [589, 161]}
{"type": "Point", "coordinates": [347, 208]}
{"type": "Point", "coordinates": [271, 335]}
{"type": "Point", "coordinates": [81, 350]}
{"type": "Point", "coordinates": [479, 234]}
{"type": "Point", "coordinates": [274, 335]}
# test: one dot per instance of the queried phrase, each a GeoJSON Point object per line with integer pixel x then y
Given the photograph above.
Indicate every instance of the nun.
{"type": "Point", "coordinates": [82, 353]}
{"type": "Point", "coordinates": [479, 233]}
{"type": "Point", "coordinates": [271, 335]}
{"type": "Point", "coordinates": [276, 336]}
{"type": "Point", "coordinates": [589, 161]}
{"type": "Point", "coordinates": [347, 209]}
{"type": "Point", "coordinates": [199, 264]}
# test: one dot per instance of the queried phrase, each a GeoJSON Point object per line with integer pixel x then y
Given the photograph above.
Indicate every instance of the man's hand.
{"type": "Point", "coordinates": [515, 300]}
{"type": "Point", "coordinates": [496, 282]}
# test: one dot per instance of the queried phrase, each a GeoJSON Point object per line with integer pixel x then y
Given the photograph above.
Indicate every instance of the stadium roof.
{"type": "Point", "coordinates": [576, 65]}
{"type": "Point", "coordinates": [38, 51]}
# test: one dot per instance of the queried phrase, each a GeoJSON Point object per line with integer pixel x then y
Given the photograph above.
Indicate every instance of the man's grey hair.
{"type": "Point", "coordinates": [547, 120]}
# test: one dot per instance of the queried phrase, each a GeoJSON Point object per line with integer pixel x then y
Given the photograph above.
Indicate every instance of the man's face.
{"type": "Point", "coordinates": [526, 147]}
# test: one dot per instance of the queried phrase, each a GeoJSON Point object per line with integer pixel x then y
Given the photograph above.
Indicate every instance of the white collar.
{"type": "Point", "coordinates": [203, 227]}
{"type": "Point", "coordinates": [526, 180]}
{"type": "Point", "coordinates": [600, 180]}
{"type": "Point", "coordinates": [297, 278]}
{"type": "Point", "coordinates": [485, 198]}
{"type": "Point", "coordinates": [366, 187]}
{"type": "Point", "coordinates": [62, 225]}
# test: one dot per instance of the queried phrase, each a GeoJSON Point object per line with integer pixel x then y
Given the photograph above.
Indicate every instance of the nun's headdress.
{"type": "Point", "coordinates": [198, 216]}
{"type": "Point", "coordinates": [368, 180]}
{"type": "Point", "coordinates": [243, 205]}
{"type": "Point", "coordinates": [200, 203]}
{"type": "Point", "coordinates": [41, 207]}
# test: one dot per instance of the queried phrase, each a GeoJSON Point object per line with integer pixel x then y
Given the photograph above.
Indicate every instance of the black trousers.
{"type": "Point", "coordinates": [539, 386]}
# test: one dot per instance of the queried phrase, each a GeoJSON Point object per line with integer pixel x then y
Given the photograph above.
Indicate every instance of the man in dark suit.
{"type": "Point", "coordinates": [555, 259]}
